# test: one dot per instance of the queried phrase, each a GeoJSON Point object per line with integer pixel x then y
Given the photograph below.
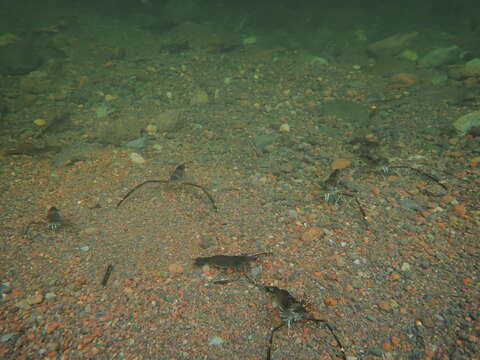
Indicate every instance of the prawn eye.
{"type": "Point", "coordinates": [52, 226]}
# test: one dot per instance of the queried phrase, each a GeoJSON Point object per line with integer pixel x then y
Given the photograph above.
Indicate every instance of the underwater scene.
{"type": "Point", "coordinates": [221, 179]}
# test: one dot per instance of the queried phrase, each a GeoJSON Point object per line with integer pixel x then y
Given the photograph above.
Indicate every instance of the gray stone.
{"type": "Point", "coordinates": [441, 56]}
{"type": "Point", "coordinates": [139, 143]}
{"type": "Point", "coordinates": [19, 58]}
{"type": "Point", "coordinates": [256, 270]}
{"type": "Point", "coordinates": [168, 121]}
{"type": "Point", "coordinates": [262, 141]}
{"type": "Point", "coordinates": [215, 340]}
{"type": "Point", "coordinates": [50, 295]}
{"type": "Point", "coordinates": [375, 351]}
{"type": "Point", "coordinates": [472, 68]}
{"type": "Point", "coordinates": [358, 115]}
{"type": "Point", "coordinates": [406, 267]}
{"type": "Point", "coordinates": [467, 70]}
{"type": "Point", "coordinates": [36, 82]}
{"type": "Point", "coordinates": [5, 288]}
{"type": "Point", "coordinates": [464, 123]}
{"type": "Point", "coordinates": [200, 97]}
{"type": "Point", "coordinates": [292, 213]}
{"type": "Point", "coordinates": [392, 45]}
{"type": "Point", "coordinates": [411, 205]}
{"type": "Point", "coordinates": [6, 337]}
{"type": "Point", "coordinates": [206, 241]}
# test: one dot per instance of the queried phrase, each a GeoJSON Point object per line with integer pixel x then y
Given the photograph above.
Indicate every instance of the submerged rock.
{"type": "Point", "coordinates": [139, 143]}
{"type": "Point", "coordinates": [466, 122]}
{"type": "Point", "coordinates": [441, 56]}
{"type": "Point", "coordinates": [19, 58]}
{"type": "Point", "coordinates": [392, 45]}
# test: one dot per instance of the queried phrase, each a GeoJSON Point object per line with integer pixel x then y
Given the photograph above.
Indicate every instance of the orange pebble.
{"type": "Point", "coordinates": [387, 347]}
{"type": "Point", "coordinates": [51, 327]}
{"type": "Point", "coordinates": [330, 301]}
{"type": "Point", "coordinates": [394, 276]}
{"type": "Point", "coordinates": [375, 190]}
{"type": "Point", "coordinates": [460, 209]}
{"type": "Point", "coordinates": [447, 198]}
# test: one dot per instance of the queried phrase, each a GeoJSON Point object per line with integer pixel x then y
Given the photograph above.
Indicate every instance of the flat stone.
{"type": "Point", "coordinates": [215, 340]}
{"type": "Point", "coordinates": [35, 299]}
{"type": "Point", "coordinates": [312, 233]}
{"type": "Point", "coordinates": [200, 97]}
{"type": "Point", "coordinates": [139, 143]}
{"type": "Point", "coordinates": [441, 56]}
{"type": "Point", "coordinates": [6, 337]}
{"type": "Point", "coordinates": [464, 123]}
{"type": "Point", "coordinates": [392, 45]}
{"type": "Point", "coordinates": [385, 305]}
{"type": "Point", "coordinates": [137, 158]}
{"type": "Point", "coordinates": [405, 267]}
{"type": "Point", "coordinates": [175, 268]}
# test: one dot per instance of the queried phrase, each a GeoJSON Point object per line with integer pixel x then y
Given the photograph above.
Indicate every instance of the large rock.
{"type": "Point", "coordinates": [441, 56]}
{"type": "Point", "coordinates": [19, 58]}
{"type": "Point", "coordinates": [118, 130]}
{"type": "Point", "coordinates": [36, 82]}
{"type": "Point", "coordinates": [468, 70]}
{"type": "Point", "coordinates": [200, 97]}
{"type": "Point", "coordinates": [392, 45]}
{"type": "Point", "coordinates": [168, 121]}
{"type": "Point", "coordinates": [472, 68]}
{"type": "Point", "coordinates": [466, 122]}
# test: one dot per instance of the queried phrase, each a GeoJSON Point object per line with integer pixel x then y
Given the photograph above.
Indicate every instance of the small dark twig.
{"type": "Point", "coordinates": [360, 207]}
{"type": "Point", "coordinates": [421, 173]}
{"type": "Point", "coordinates": [108, 272]}
{"type": "Point", "coordinates": [270, 342]}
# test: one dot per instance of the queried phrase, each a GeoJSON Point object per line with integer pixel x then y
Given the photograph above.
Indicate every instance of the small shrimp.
{"type": "Point", "coordinates": [292, 311]}
{"type": "Point", "coordinates": [53, 222]}
{"type": "Point", "coordinates": [239, 263]}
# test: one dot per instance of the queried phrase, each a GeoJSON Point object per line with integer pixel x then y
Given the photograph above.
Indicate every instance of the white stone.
{"type": "Point", "coordinates": [467, 121]}
{"type": "Point", "coordinates": [137, 158]}
{"type": "Point", "coordinates": [284, 128]}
